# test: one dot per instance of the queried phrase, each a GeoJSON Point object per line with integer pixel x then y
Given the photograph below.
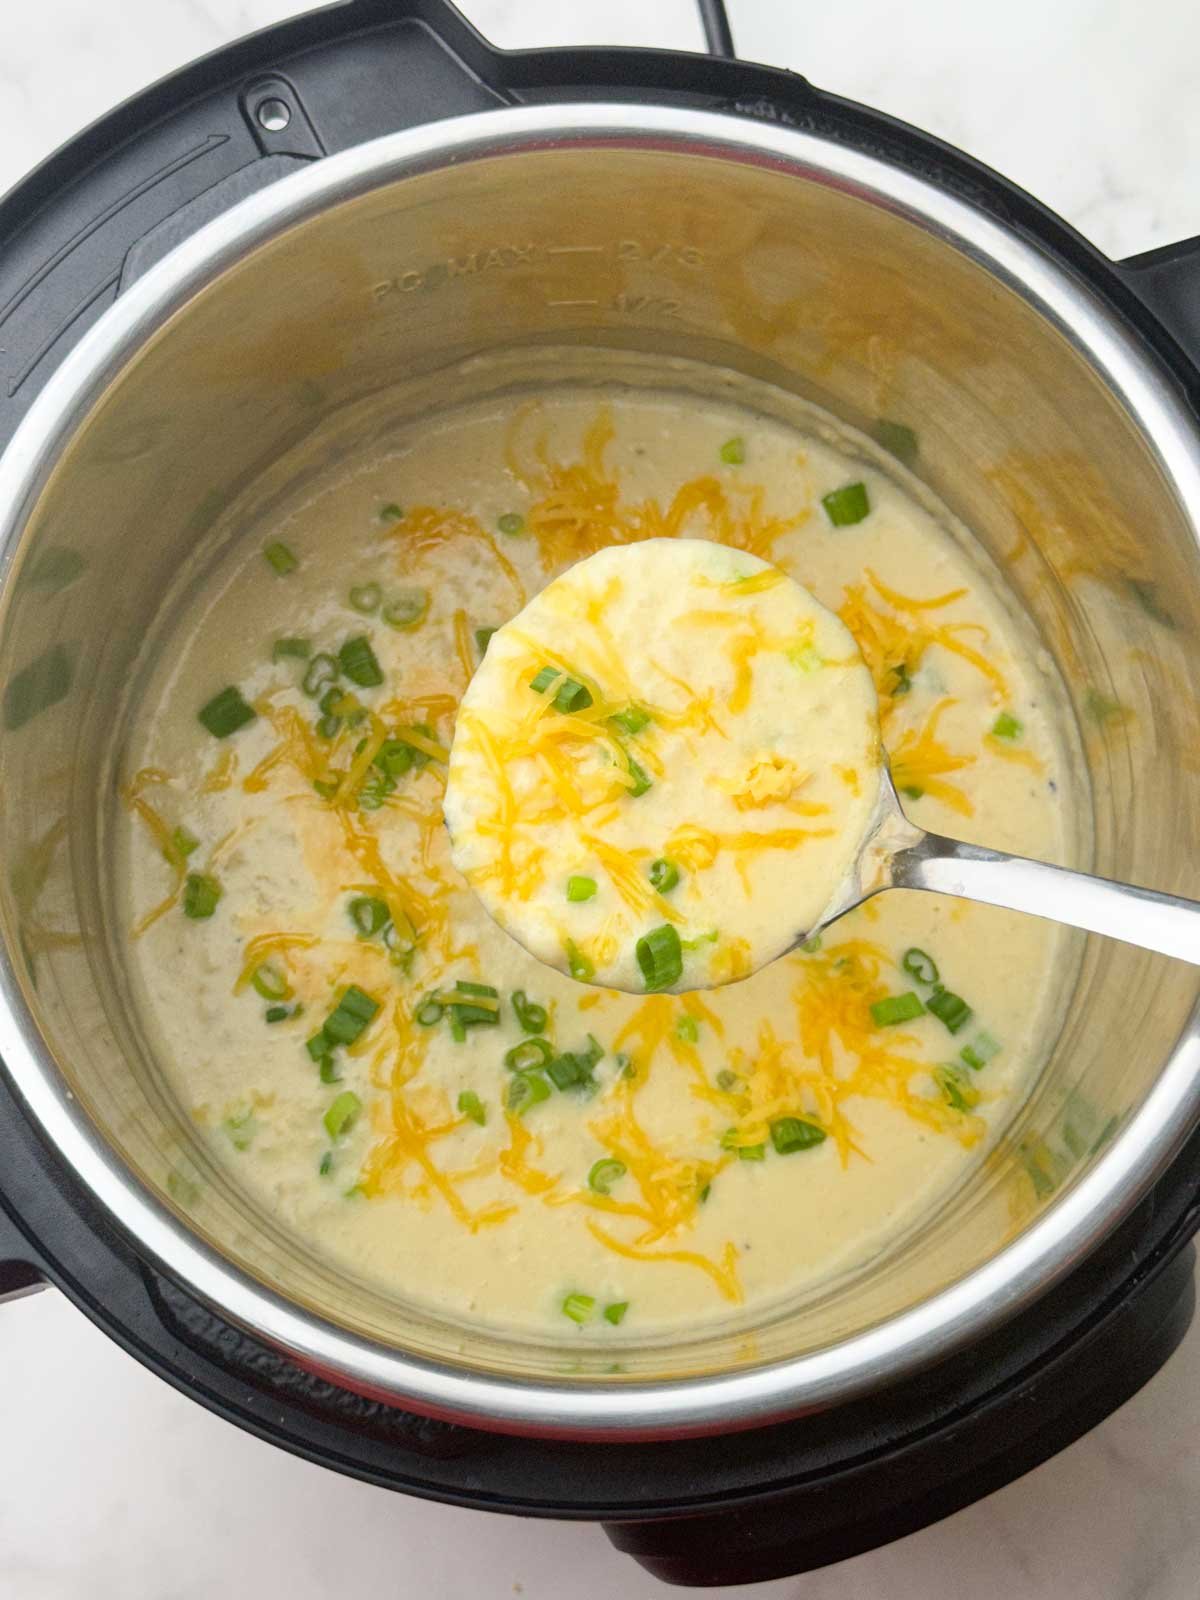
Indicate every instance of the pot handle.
{"type": "Point", "coordinates": [1167, 282]}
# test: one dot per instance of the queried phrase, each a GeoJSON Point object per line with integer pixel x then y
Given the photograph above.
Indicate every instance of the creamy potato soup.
{"type": "Point", "coordinates": [665, 698]}
{"type": "Point", "coordinates": [402, 1085]}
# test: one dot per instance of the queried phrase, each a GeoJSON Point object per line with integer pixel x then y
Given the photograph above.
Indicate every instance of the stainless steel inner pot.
{"type": "Point", "coordinates": [641, 235]}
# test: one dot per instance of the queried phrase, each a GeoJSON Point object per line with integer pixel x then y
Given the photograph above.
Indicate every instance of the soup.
{"type": "Point", "coordinates": [394, 1078]}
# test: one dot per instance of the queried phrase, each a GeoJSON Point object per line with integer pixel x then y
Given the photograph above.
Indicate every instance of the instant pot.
{"type": "Point", "coordinates": [367, 210]}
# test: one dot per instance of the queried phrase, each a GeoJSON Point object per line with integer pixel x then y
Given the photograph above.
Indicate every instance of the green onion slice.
{"type": "Point", "coordinates": [919, 964]}
{"type": "Point", "coordinates": [472, 1106]}
{"type": "Point", "coordinates": [582, 968]}
{"type": "Point", "coordinates": [297, 648]}
{"type": "Point", "coordinates": [752, 1152]}
{"type": "Point", "coordinates": [226, 712]}
{"type": "Point", "coordinates": [369, 914]}
{"type": "Point", "coordinates": [325, 1165]}
{"type": "Point", "coordinates": [789, 1134]}
{"type": "Point", "coordinates": [365, 597]}
{"type": "Point", "coordinates": [200, 895]}
{"type": "Point", "coordinates": [269, 982]}
{"type": "Point", "coordinates": [359, 662]}
{"type": "Point", "coordinates": [406, 608]}
{"type": "Point", "coordinates": [483, 637]}
{"type": "Point", "coordinates": [687, 1028]}
{"type": "Point", "coordinates": [980, 1051]}
{"type": "Point", "coordinates": [1006, 726]}
{"type": "Point", "coordinates": [276, 1014]}
{"type": "Point", "coordinates": [950, 1009]}
{"type": "Point", "coordinates": [580, 889]}
{"type": "Point", "coordinates": [846, 505]}
{"type": "Point", "coordinates": [641, 778]}
{"type": "Point", "coordinates": [280, 558]}
{"type": "Point", "coordinates": [571, 694]}
{"type": "Point", "coordinates": [327, 1070]}
{"type": "Point", "coordinates": [531, 1016]}
{"type": "Point", "coordinates": [664, 875]}
{"type": "Point", "coordinates": [350, 1016]}
{"type": "Point", "coordinates": [733, 452]}
{"type": "Point", "coordinates": [897, 438]}
{"type": "Point", "coordinates": [896, 1008]}
{"type": "Point", "coordinates": [727, 1079]}
{"type": "Point", "coordinates": [430, 1012]}
{"type": "Point", "coordinates": [182, 843]}
{"type": "Point", "coordinates": [579, 1307]}
{"type": "Point", "coordinates": [632, 720]}
{"type": "Point", "coordinates": [526, 1089]}
{"type": "Point", "coordinates": [512, 523]}
{"type": "Point", "coordinates": [390, 512]}
{"type": "Point", "coordinates": [912, 791]}
{"type": "Point", "coordinates": [528, 1055]}
{"type": "Point", "coordinates": [603, 1174]}
{"type": "Point", "coordinates": [342, 1114]}
{"type": "Point", "coordinates": [615, 1312]}
{"type": "Point", "coordinates": [660, 957]}
{"type": "Point", "coordinates": [322, 671]}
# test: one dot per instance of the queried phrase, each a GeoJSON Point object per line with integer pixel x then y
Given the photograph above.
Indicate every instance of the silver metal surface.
{"type": "Point", "coordinates": [899, 855]}
{"type": "Point", "coordinates": [663, 244]}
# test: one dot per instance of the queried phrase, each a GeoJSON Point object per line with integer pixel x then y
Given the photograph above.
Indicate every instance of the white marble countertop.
{"type": "Point", "coordinates": [114, 1487]}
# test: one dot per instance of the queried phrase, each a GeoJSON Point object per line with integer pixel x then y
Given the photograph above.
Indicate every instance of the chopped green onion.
{"type": "Point", "coordinates": [325, 789]}
{"type": "Point", "coordinates": [898, 439]}
{"type": "Point", "coordinates": [624, 1065]}
{"type": "Point", "coordinates": [615, 1313]}
{"type": "Point", "coordinates": [270, 983]}
{"type": "Point", "coordinates": [325, 1165]}
{"type": "Point", "coordinates": [1006, 726]}
{"type": "Point", "coordinates": [283, 648]}
{"type": "Point", "coordinates": [322, 671]}
{"type": "Point", "coordinates": [660, 957]}
{"type": "Point", "coordinates": [811, 946]}
{"type": "Point", "coordinates": [359, 662]}
{"type": "Point", "coordinates": [530, 1015]}
{"type": "Point", "coordinates": [327, 1070]}
{"type": "Point", "coordinates": [512, 523]}
{"type": "Point", "coordinates": [526, 1089]}
{"type": "Point", "coordinates": [280, 558]}
{"type": "Point", "coordinates": [365, 597]}
{"type": "Point", "coordinates": [949, 1008]}
{"type": "Point", "coordinates": [226, 712]}
{"type": "Point", "coordinates": [568, 1070]}
{"type": "Point", "coordinates": [342, 1114]}
{"type": "Point", "coordinates": [752, 1152]}
{"type": "Point", "coordinates": [429, 1013]}
{"type": "Point", "coordinates": [846, 505]}
{"type": "Point", "coordinates": [528, 1055]}
{"type": "Point", "coordinates": [200, 896]}
{"type": "Point", "coordinates": [579, 889]}
{"type": "Point", "coordinates": [406, 608]}
{"type": "Point", "coordinates": [394, 758]}
{"type": "Point", "coordinates": [733, 451]}
{"type": "Point", "coordinates": [350, 1016]}
{"type": "Point", "coordinates": [369, 914]}
{"type": "Point", "coordinates": [571, 695]}
{"type": "Point", "coordinates": [641, 778]}
{"type": "Point", "coordinates": [687, 1028]}
{"type": "Point", "coordinates": [896, 1008]}
{"type": "Point", "coordinates": [980, 1051]}
{"type": "Point", "coordinates": [319, 1046]}
{"type": "Point", "coordinates": [664, 875]}
{"type": "Point", "coordinates": [604, 1174]}
{"type": "Point", "coordinates": [390, 512]}
{"type": "Point", "coordinates": [579, 1307]}
{"type": "Point", "coordinates": [912, 791]}
{"type": "Point", "coordinates": [241, 1129]}
{"type": "Point", "coordinates": [471, 1106]}
{"type": "Point", "coordinates": [485, 990]}
{"type": "Point", "coordinates": [701, 938]}
{"type": "Point", "coordinates": [327, 727]}
{"type": "Point", "coordinates": [789, 1134]}
{"type": "Point", "coordinates": [276, 1014]}
{"type": "Point", "coordinates": [483, 637]}
{"type": "Point", "coordinates": [632, 720]}
{"type": "Point", "coordinates": [182, 843]}
{"type": "Point", "coordinates": [581, 967]}
{"type": "Point", "coordinates": [956, 1091]}
{"type": "Point", "coordinates": [727, 1079]}
{"type": "Point", "coordinates": [920, 965]}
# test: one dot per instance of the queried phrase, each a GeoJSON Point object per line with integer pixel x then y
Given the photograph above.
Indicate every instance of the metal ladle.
{"type": "Point", "coordinates": [899, 855]}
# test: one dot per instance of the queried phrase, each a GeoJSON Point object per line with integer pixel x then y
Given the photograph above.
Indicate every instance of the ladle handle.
{"type": "Point", "coordinates": [1163, 922]}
